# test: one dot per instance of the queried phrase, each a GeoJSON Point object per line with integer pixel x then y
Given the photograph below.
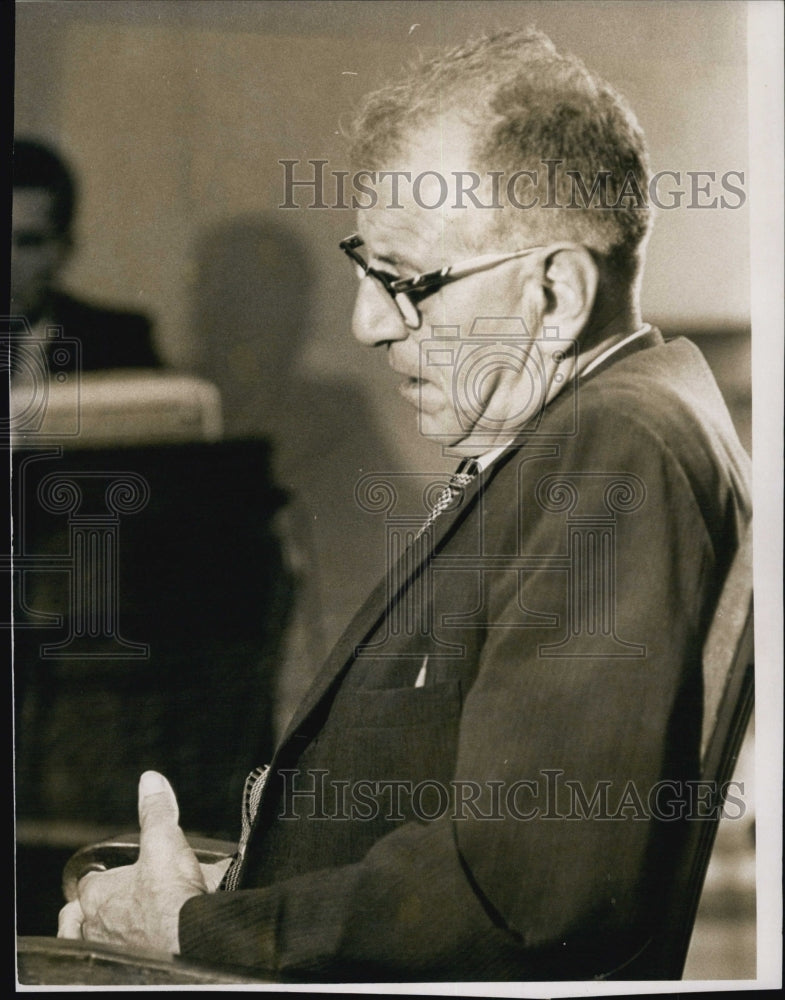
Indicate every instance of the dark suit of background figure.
{"type": "Point", "coordinates": [109, 338]}
{"type": "Point", "coordinates": [513, 899]}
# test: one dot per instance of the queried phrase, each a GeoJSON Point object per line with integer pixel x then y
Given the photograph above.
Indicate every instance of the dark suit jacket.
{"type": "Point", "coordinates": [108, 338]}
{"type": "Point", "coordinates": [562, 610]}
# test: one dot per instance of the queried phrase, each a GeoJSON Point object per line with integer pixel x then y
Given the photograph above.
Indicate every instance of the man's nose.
{"type": "Point", "coordinates": [376, 319]}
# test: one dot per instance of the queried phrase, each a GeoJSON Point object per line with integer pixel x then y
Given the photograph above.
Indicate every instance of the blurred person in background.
{"type": "Point", "coordinates": [42, 240]}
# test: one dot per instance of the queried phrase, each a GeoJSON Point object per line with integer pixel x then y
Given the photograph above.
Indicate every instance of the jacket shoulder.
{"type": "Point", "coordinates": [109, 337]}
{"type": "Point", "coordinates": [69, 310]}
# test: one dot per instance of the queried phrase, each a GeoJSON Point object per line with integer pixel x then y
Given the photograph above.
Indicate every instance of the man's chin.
{"type": "Point", "coordinates": [444, 431]}
{"type": "Point", "coordinates": [462, 442]}
{"type": "Point", "coordinates": [439, 423]}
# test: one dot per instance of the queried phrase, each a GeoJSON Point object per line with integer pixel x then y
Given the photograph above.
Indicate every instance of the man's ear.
{"type": "Point", "coordinates": [570, 279]}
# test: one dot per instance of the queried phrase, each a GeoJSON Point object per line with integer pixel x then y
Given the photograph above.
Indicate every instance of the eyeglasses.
{"type": "Point", "coordinates": [406, 293]}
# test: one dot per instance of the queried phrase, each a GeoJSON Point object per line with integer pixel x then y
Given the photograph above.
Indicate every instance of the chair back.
{"type": "Point", "coordinates": [728, 681]}
{"type": "Point", "coordinates": [729, 684]}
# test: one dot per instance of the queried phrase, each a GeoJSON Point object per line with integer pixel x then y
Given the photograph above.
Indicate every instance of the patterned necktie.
{"type": "Point", "coordinates": [252, 794]}
{"type": "Point", "coordinates": [452, 494]}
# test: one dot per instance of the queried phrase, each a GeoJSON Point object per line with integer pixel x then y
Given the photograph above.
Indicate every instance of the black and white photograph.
{"type": "Point", "coordinates": [394, 442]}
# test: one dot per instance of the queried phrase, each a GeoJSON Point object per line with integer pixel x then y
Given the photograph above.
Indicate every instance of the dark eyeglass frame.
{"type": "Point", "coordinates": [407, 292]}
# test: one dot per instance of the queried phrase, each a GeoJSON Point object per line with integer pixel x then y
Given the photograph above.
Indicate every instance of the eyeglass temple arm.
{"type": "Point", "coordinates": [455, 271]}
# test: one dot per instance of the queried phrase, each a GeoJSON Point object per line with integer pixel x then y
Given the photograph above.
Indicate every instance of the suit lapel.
{"type": "Point", "coordinates": [398, 577]}
{"type": "Point", "coordinates": [386, 593]}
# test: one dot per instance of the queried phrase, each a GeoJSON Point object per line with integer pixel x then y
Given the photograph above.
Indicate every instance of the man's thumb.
{"type": "Point", "coordinates": [157, 801]}
{"type": "Point", "coordinates": [163, 847]}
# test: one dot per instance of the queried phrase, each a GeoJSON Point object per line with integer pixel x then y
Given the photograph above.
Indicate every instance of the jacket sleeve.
{"type": "Point", "coordinates": [553, 870]}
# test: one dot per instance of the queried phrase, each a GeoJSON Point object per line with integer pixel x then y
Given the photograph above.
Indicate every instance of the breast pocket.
{"type": "Point", "coordinates": [407, 735]}
{"type": "Point", "coordinates": [402, 707]}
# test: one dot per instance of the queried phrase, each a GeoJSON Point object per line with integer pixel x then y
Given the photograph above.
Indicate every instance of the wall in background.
{"type": "Point", "coordinates": [176, 115]}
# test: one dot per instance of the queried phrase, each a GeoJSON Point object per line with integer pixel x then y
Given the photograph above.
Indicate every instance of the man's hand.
{"type": "Point", "coordinates": [139, 905]}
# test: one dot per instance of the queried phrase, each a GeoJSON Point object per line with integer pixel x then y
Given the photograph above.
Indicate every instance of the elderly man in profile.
{"type": "Point", "coordinates": [471, 788]}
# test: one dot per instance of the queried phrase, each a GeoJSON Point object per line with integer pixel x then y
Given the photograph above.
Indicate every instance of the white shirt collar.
{"type": "Point", "coordinates": [489, 457]}
{"type": "Point", "coordinates": [646, 328]}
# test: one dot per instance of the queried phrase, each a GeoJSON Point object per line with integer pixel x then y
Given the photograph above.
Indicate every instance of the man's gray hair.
{"type": "Point", "coordinates": [530, 108]}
